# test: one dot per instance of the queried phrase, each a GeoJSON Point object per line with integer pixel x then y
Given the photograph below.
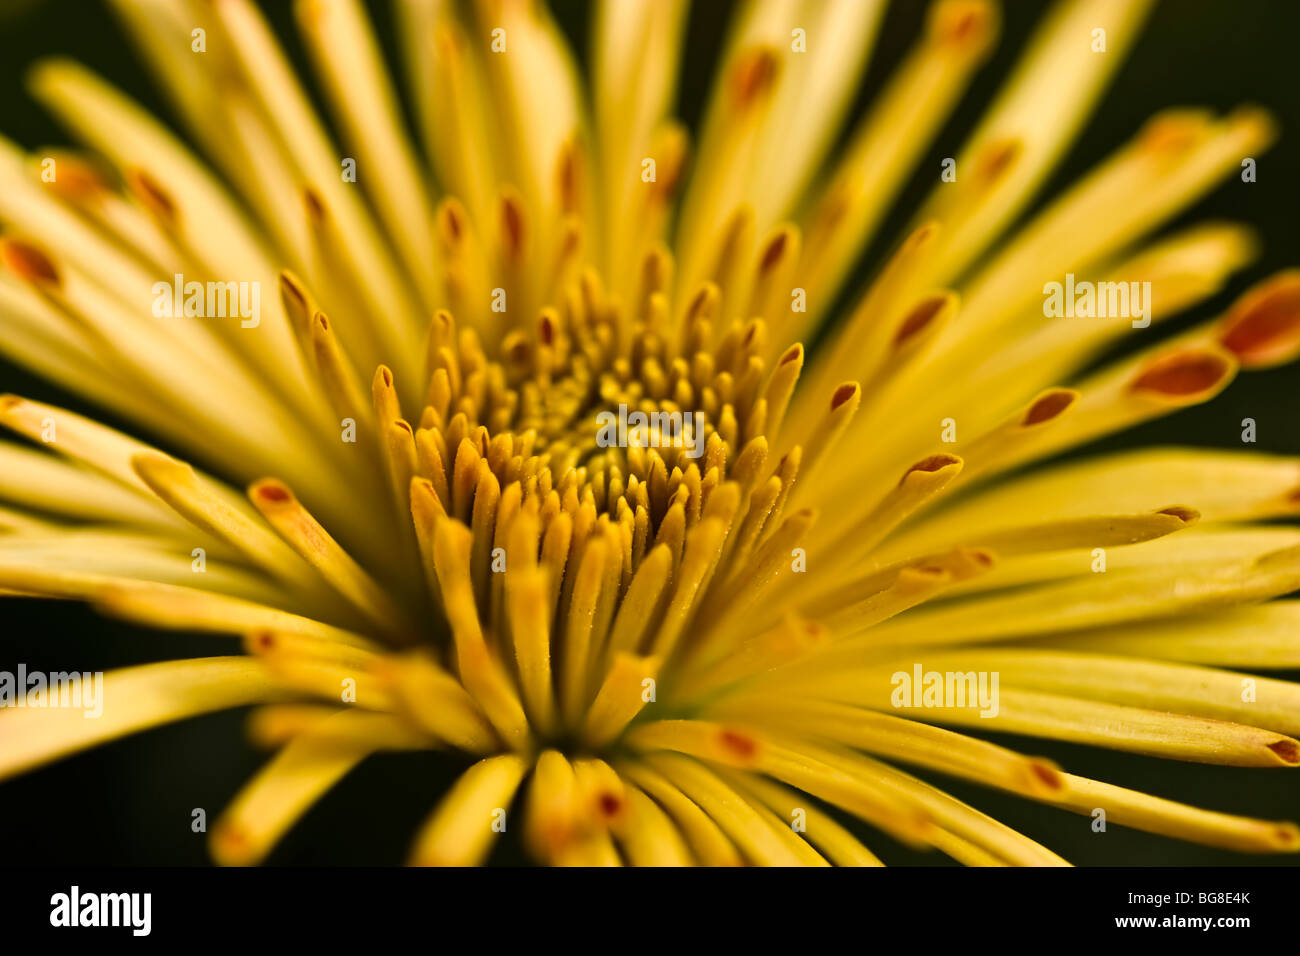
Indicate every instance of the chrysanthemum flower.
{"type": "Point", "coordinates": [690, 637]}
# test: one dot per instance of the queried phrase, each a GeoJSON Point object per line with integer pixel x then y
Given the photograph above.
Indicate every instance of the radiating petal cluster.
{"type": "Point", "coordinates": [499, 439]}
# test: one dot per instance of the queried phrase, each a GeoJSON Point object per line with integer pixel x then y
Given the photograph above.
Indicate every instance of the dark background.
{"type": "Point", "coordinates": [131, 801]}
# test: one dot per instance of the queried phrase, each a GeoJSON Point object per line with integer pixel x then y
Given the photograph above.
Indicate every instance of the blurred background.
{"type": "Point", "coordinates": [131, 801]}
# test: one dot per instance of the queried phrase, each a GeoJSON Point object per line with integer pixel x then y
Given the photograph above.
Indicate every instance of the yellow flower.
{"type": "Point", "coordinates": [584, 531]}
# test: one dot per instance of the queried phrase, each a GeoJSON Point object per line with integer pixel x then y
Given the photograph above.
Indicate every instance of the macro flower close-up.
{"type": "Point", "coordinates": [700, 444]}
